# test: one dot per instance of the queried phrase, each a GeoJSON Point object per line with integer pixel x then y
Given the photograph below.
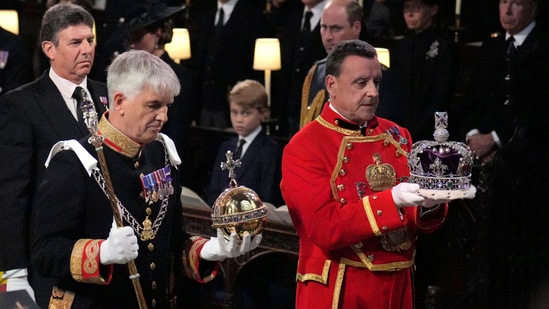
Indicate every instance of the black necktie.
{"type": "Point", "coordinates": [238, 151]}
{"type": "Point", "coordinates": [508, 57]}
{"type": "Point", "coordinates": [510, 47]}
{"type": "Point", "coordinates": [307, 22]}
{"type": "Point", "coordinates": [77, 95]}
{"type": "Point", "coordinates": [219, 24]}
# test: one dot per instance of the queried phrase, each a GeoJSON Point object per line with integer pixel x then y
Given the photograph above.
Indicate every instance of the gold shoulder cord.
{"type": "Point", "coordinates": [305, 95]}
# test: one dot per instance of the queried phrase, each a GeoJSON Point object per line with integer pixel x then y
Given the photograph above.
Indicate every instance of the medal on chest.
{"type": "Point", "coordinates": [156, 185]}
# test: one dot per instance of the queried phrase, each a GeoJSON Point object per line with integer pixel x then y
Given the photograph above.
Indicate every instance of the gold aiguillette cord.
{"type": "Point", "coordinates": [91, 119]}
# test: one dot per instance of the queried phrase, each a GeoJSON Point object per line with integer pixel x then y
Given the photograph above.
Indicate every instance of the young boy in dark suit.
{"type": "Point", "coordinates": [260, 155]}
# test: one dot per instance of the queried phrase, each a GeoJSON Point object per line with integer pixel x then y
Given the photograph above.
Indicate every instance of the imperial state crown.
{"type": "Point", "coordinates": [441, 167]}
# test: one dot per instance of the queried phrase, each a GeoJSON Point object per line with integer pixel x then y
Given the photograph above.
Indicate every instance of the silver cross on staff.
{"type": "Point", "coordinates": [231, 165]}
{"type": "Point", "coordinates": [91, 120]}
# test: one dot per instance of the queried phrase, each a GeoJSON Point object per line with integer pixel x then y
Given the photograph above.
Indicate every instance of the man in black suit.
{"type": "Point", "coordinates": [508, 88]}
{"type": "Point", "coordinates": [507, 116]}
{"type": "Point", "coordinates": [33, 117]}
{"type": "Point", "coordinates": [222, 55]}
{"type": "Point", "coordinates": [300, 46]}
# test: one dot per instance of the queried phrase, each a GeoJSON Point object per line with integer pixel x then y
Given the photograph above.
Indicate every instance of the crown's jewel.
{"type": "Point", "coordinates": [440, 164]}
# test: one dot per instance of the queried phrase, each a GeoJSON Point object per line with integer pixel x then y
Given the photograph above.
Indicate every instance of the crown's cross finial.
{"type": "Point", "coordinates": [231, 165]}
{"type": "Point", "coordinates": [441, 123]}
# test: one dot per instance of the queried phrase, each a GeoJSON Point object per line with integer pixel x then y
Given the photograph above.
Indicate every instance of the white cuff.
{"type": "Point", "coordinates": [15, 273]}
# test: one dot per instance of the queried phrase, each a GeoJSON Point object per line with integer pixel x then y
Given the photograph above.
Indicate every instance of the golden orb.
{"type": "Point", "coordinates": [239, 210]}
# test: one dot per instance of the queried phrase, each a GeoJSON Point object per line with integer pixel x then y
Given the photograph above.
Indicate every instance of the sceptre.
{"type": "Point", "coordinates": [91, 120]}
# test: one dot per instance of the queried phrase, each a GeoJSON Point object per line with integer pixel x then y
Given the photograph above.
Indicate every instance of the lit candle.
{"type": "Point", "coordinates": [458, 7]}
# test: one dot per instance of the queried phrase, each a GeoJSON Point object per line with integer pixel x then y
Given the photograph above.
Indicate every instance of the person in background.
{"type": "Point", "coordinates": [149, 26]}
{"type": "Point", "coordinates": [222, 43]}
{"type": "Point", "coordinates": [77, 239]}
{"type": "Point", "coordinates": [423, 71]}
{"type": "Point", "coordinates": [15, 61]}
{"type": "Point", "coordinates": [356, 218]}
{"type": "Point", "coordinates": [300, 47]}
{"type": "Point", "coordinates": [494, 104]}
{"type": "Point", "coordinates": [40, 62]}
{"type": "Point", "coordinates": [504, 117]}
{"type": "Point", "coordinates": [340, 20]}
{"type": "Point", "coordinates": [260, 154]}
{"type": "Point", "coordinates": [33, 118]}
{"type": "Point", "coordinates": [377, 21]}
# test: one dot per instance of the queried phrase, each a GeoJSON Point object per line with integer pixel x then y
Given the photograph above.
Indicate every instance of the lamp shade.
{"type": "Point", "coordinates": [180, 46]}
{"type": "Point", "coordinates": [383, 56]}
{"type": "Point", "coordinates": [267, 54]}
{"type": "Point", "coordinates": [9, 20]}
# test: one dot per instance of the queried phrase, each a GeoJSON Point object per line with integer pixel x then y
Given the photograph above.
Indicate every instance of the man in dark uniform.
{"type": "Point", "coordinates": [33, 118]}
{"type": "Point", "coordinates": [341, 20]}
{"type": "Point", "coordinates": [76, 241]}
{"type": "Point", "coordinates": [15, 61]}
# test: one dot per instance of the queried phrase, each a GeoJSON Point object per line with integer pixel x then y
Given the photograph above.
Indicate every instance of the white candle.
{"type": "Point", "coordinates": [458, 7]}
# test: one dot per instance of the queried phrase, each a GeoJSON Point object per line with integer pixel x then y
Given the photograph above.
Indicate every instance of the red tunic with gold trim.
{"type": "Point", "coordinates": [356, 247]}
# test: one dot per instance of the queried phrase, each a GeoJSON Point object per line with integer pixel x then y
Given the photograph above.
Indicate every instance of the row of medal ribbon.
{"type": "Point", "coordinates": [157, 185]}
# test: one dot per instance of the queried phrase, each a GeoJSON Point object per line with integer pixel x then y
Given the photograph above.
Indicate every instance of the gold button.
{"type": "Point", "coordinates": [358, 245]}
{"type": "Point", "coordinates": [379, 212]}
{"type": "Point", "coordinates": [153, 285]}
{"type": "Point", "coordinates": [349, 146]}
{"type": "Point", "coordinates": [343, 201]}
{"type": "Point", "coordinates": [150, 246]}
{"type": "Point", "coordinates": [345, 159]}
{"type": "Point", "coordinates": [386, 143]}
{"type": "Point", "coordinates": [384, 228]}
{"type": "Point", "coordinates": [370, 257]}
{"type": "Point", "coordinates": [152, 266]}
{"type": "Point", "coordinates": [374, 197]}
{"type": "Point", "coordinates": [136, 164]}
{"type": "Point", "coordinates": [341, 187]}
{"type": "Point", "coordinates": [153, 302]}
{"type": "Point", "coordinates": [342, 172]}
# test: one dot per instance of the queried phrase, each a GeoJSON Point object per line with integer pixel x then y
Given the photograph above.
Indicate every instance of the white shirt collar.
{"type": "Point", "coordinates": [317, 12]}
{"type": "Point", "coordinates": [228, 9]}
{"type": "Point", "coordinates": [65, 86]}
{"type": "Point", "coordinates": [521, 36]}
{"type": "Point", "coordinates": [249, 139]}
{"type": "Point", "coordinates": [335, 110]}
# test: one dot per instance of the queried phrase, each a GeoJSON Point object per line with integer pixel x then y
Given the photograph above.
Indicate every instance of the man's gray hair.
{"type": "Point", "coordinates": [132, 71]}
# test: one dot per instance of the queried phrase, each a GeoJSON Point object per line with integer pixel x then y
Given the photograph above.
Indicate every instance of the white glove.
{"type": "Point", "coordinates": [218, 248]}
{"type": "Point", "coordinates": [120, 247]}
{"type": "Point", "coordinates": [17, 280]}
{"type": "Point", "coordinates": [406, 194]}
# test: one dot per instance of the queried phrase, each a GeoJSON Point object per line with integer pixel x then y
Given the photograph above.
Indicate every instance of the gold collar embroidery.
{"type": "Point", "coordinates": [116, 140]}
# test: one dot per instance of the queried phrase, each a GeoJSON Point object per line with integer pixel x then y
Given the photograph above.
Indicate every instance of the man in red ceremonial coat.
{"type": "Point", "coordinates": [344, 181]}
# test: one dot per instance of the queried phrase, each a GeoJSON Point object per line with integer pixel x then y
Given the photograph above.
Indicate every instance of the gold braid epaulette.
{"type": "Point", "coordinates": [333, 127]}
{"type": "Point", "coordinates": [305, 95]}
{"type": "Point", "coordinates": [316, 107]}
